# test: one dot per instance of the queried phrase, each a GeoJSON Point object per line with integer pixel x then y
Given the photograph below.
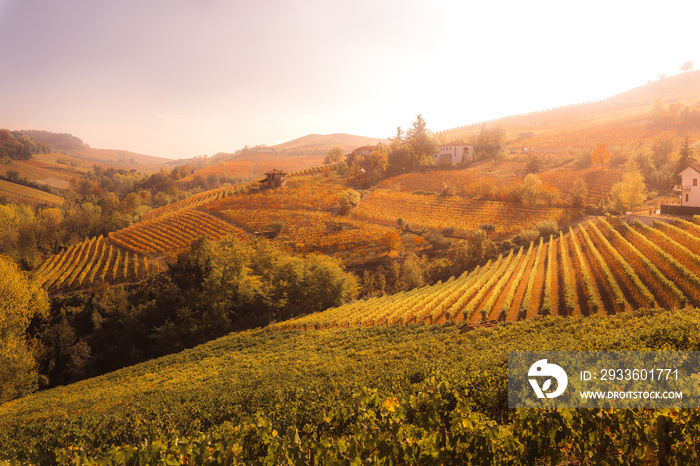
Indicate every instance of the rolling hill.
{"type": "Point", "coordinates": [415, 394]}
{"type": "Point", "coordinates": [414, 377]}
{"type": "Point", "coordinates": [622, 119]}
{"type": "Point", "coordinates": [21, 194]}
{"type": "Point", "coordinates": [296, 155]}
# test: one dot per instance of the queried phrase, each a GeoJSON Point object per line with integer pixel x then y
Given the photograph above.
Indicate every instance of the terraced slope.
{"type": "Point", "coordinates": [599, 268]}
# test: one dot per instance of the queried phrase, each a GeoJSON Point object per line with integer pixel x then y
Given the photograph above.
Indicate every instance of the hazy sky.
{"type": "Point", "coordinates": [178, 78]}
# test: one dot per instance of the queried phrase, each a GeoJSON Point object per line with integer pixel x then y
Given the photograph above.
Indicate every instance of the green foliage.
{"type": "Point", "coordinates": [410, 394]}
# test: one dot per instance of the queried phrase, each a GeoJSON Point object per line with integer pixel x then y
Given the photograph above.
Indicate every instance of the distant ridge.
{"type": "Point", "coordinates": [684, 87]}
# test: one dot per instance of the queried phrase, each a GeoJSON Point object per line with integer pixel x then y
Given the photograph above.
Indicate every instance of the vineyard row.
{"type": "Point", "coordinates": [599, 268]}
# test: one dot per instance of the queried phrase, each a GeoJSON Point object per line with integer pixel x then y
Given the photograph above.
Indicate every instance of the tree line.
{"type": "Point", "coordinates": [17, 146]}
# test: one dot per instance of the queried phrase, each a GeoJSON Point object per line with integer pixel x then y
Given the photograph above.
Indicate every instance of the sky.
{"type": "Point", "coordinates": [180, 78]}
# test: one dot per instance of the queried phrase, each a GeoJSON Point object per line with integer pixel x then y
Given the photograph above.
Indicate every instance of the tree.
{"type": "Point", "coordinates": [490, 141]}
{"type": "Point", "coordinates": [471, 253]}
{"type": "Point", "coordinates": [377, 162]}
{"type": "Point", "coordinates": [347, 200]}
{"type": "Point", "coordinates": [529, 191]}
{"type": "Point", "coordinates": [548, 193]}
{"type": "Point", "coordinates": [391, 241]}
{"type": "Point", "coordinates": [398, 153]}
{"type": "Point", "coordinates": [687, 156]}
{"type": "Point", "coordinates": [422, 144]}
{"type": "Point", "coordinates": [663, 147]}
{"type": "Point", "coordinates": [534, 164]}
{"type": "Point", "coordinates": [630, 190]}
{"type": "Point", "coordinates": [659, 111]}
{"type": "Point", "coordinates": [12, 175]}
{"type": "Point", "coordinates": [333, 155]}
{"type": "Point", "coordinates": [342, 168]}
{"type": "Point", "coordinates": [600, 155]}
{"type": "Point", "coordinates": [687, 66]}
{"type": "Point", "coordinates": [22, 299]}
{"type": "Point", "coordinates": [644, 158]}
{"type": "Point", "coordinates": [578, 193]}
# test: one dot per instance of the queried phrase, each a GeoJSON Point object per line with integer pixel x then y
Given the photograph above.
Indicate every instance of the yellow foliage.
{"type": "Point", "coordinates": [20, 300]}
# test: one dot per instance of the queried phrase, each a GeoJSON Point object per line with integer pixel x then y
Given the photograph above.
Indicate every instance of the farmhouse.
{"type": "Point", "coordinates": [273, 179]}
{"type": "Point", "coordinates": [454, 153]}
{"type": "Point", "coordinates": [689, 187]}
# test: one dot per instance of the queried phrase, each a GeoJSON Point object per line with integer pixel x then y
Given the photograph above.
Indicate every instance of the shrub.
{"type": "Point", "coordinates": [347, 200]}
{"type": "Point", "coordinates": [449, 231]}
{"type": "Point", "coordinates": [447, 190]}
{"type": "Point", "coordinates": [529, 235]}
{"type": "Point", "coordinates": [437, 240]}
{"type": "Point", "coordinates": [546, 227]}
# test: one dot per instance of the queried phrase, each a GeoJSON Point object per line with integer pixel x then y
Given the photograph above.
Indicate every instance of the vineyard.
{"type": "Point", "coordinates": [23, 194]}
{"type": "Point", "coordinates": [598, 181]}
{"type": "Point", "coordinates": [306, 230]}
{"type": "Point", "coordinates": [94, 261]}
{"type": "Point", "coordinates": [437, 212]}
{"type": "Point", "coordinates": [381, 395]}
{"type": "Point", "coordinates": [465, 181]}
{"type": "Point", "coordinates": [196, 200]}
{"type": "Point", "coordinates": [169, 233]}
{"type": "Point", "coordinates": [42, 172]}
{"type": "Point", "coordinates": [599, 268]}
{"type": "Point", "coordinates": [308, 195]}
{"type": "Point", "coordinates": [131, 253]}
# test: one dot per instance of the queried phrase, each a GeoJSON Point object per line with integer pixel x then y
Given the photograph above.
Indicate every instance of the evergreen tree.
{"type": "Point", "coordinates": [687, 157]}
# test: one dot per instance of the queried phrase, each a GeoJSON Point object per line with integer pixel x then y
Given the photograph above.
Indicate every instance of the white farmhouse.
{"type": "Point", "coordinates": [690, 186]}
{"type": "Point", "coordinates": [454, 153]}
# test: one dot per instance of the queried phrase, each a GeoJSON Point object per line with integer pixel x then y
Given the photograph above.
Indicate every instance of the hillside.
{"type": "Point", "coordinates": [308, 209]}
{"type": "Point", "coordinates": [296, 155]}
{"type": "Point", "coordinates": [17, 193]}
{"type": "Point", "coordinates": [622, 119]}
{"type": "Point", "coordinates": [69, 148]}
{"type": "Point", "coordinates": [595, 269]}
{"type": "Point", "coordinates": [424, 392]}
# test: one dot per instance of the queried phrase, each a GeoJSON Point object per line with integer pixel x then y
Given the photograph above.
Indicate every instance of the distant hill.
{"type": "Point", "coordinates": [57, 141]}
{"type": "Point", "coordinates": [71, 149]}
{"type": "Point", "coordinates": [298, 154]}
{"type": "Point", "coordinates": [17, 146]}
{"type": "Point", "coordinates": [620, 119]}
{"type": "Point", "coordinates": [317, 144]}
